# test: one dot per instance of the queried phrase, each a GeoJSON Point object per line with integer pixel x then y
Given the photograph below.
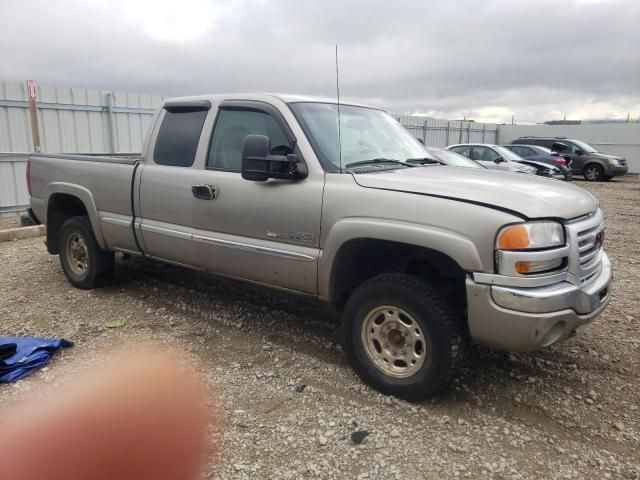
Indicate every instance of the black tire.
{"type": "Point", "coordinates": [446, 335]}
{"type": "Point", "coordinates": [98, 263]}
{"type": "Point", "coordinates": [593, 172]}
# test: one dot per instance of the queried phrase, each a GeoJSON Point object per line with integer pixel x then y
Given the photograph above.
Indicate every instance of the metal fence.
{"type": "Point", "coordinates": [441, 133]}
{"type": "Point", "coordinates": [13, 186]}
{"type": "Point", "coordinates": [74, 120]}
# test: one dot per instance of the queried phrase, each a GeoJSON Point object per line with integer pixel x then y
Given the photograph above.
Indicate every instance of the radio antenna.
{"type": "Point", "coordinates": [338, 95]}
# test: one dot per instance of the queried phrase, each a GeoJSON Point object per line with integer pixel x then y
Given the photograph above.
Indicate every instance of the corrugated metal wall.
{"type": "Point", "coordinates": [13, 187]}
{"type": "Point", "coordinates": [74, 120]}
{"type": "Point", "coordinates": [621, 139]}
{"type": "Point", "coordinates": [436, 132]}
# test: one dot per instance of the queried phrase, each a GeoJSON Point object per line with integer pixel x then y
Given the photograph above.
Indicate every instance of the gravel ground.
{"type": "Point", "coordinates": [9, 222]}
{"type": "Point", "coordinates": [293, 407]}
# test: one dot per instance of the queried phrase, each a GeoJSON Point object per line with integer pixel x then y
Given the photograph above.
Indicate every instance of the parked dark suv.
{"type": "Point", "coordinates": [582, 158]}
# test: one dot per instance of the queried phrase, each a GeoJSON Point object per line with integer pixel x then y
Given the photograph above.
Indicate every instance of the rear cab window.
{"type": "Point", "coordinates": [179, 134]}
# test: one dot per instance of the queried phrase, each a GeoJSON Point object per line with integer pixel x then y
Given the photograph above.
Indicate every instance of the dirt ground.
{"type": "Point", "coordinates": [570, 411]}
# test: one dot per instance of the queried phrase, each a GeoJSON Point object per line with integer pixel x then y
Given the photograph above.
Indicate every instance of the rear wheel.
{"type": "Point", "coordinates": [84, 263]}
{"type": "Point", "coordinates": [593, 172]}
{"type": "Point", "coordinates": [402, 337]}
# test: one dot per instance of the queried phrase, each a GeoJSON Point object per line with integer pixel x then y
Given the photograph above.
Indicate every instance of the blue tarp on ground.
{"type": "Point", "coordinates": [19, 356]}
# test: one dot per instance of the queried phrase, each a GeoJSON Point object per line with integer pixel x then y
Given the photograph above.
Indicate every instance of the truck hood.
{"type": "Point", "coordinates": [527, 195]}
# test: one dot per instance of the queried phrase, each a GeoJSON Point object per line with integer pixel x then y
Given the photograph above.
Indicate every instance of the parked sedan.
{"type": "Point", "coordinates": [544, 155]}
{"type": "Point", "coordinates": [493, 157]}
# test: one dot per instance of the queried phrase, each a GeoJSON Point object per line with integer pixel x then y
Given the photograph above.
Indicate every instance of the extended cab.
{"type": "Point", "coordinates": [420, 259]}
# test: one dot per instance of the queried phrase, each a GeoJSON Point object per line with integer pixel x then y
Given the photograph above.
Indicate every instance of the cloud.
{"type": "Point", "coordinates": [536, 60]}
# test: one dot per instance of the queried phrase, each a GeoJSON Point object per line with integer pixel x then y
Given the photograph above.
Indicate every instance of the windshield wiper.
{"type": "Point", "coordinates": [424, 161]}
{"type": "Point", "coordinates": [377, 160]}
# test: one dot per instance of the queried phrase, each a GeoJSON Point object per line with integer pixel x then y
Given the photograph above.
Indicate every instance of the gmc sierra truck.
{"type": "Point", "coordinates": [337, 202]}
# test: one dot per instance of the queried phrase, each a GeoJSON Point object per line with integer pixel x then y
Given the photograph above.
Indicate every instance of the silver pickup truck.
{"type": "Point", "coordinates": [336, 202]}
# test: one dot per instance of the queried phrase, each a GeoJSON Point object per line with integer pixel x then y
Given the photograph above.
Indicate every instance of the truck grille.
{"type": "Point", "coordinates": [585, 246]}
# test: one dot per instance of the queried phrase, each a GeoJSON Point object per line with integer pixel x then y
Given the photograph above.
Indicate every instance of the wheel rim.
{"type": "Point", "coordinates": [394, 341]}
{"type": "Point", "coordinates": [592, 173]}
{"type": "Point", "coordinates": [77, 254]}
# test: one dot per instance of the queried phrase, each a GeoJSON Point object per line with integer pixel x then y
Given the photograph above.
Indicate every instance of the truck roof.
{"type": "Point", "coordinates": [286, 98]}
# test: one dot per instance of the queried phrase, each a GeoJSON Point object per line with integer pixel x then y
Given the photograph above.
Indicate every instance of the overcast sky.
{"type": "Point", "coordinates": [487, 60]}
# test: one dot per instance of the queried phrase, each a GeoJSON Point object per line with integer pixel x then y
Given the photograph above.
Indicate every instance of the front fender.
{"type": "Point", "coordinates": [85, 197]}
{"type": "Point", "coordinates": [453, 244]}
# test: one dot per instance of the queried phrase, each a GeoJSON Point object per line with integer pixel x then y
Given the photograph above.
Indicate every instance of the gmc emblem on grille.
{"type": "Point", "coordinates": [600, 238]}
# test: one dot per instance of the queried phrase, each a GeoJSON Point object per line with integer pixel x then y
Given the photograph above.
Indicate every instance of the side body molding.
{"type": "Point", "coordinates": [455, 245]}
{"type": "Point", "coordinates": [87, 199]}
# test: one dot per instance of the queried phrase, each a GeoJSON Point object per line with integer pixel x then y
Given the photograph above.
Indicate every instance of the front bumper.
{"type": "Point", "coordinates": [524, 319]}
{"type": "Point", "coordinates": [615, 170]}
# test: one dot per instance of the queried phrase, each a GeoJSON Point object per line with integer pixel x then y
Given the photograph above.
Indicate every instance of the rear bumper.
{"type": "Point", "coordinates": [526, 319]}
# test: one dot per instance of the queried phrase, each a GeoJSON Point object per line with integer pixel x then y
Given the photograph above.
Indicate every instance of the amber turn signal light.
{"type": "Point", "coordinates": [513, 237]}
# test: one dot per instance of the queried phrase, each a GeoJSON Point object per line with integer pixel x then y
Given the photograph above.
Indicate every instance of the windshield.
{"type": "Point", "coordinates": [365, 134]}
{"type": "Point", "coordinates": [452, 158]}
{"type": "Point", "coordinates": [506, 153]}
{"type": "Point", "coordinates": [544, 149]}
{"type": "Point", "coordinates": [585, 147]}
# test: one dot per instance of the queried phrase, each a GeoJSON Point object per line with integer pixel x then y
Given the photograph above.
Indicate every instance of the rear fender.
{"type": "Point", "coordinates": [85, 196]}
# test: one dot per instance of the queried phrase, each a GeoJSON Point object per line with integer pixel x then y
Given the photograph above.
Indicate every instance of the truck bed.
{"type": "Point", "coordinates": [104, 184]}
{"type": "Point", "coordinates": [123, 158]}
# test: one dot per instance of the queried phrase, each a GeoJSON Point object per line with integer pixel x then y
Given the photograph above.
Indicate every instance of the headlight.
{"type": "Point", "coordinates": [525, 236]}
{"type": "Point", "coordinates": [613, 161]}
{"type": "Point", "coordinates": [529, 236]}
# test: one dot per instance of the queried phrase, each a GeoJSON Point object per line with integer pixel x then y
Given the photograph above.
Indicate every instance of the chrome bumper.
{"type": "Point", "coordinates": [528, 318]}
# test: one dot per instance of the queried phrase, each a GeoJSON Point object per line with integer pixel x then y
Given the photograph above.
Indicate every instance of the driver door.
{"type": "Point", "coordinates": [266, 232]}
{"type": "Point", "coordinates": [568, 151]}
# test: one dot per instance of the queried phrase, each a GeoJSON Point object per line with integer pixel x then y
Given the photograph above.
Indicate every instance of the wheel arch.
{"type": "Point", "coordinates": [66, 200]}
{"type": "Point", "coordinates": [352, 255]}
{"type": "Point", "coordinates": [595, 162]}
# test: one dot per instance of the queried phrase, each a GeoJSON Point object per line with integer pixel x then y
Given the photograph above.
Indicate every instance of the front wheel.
{"type": "Point", "coordinates": [593, 172]}
{"type": "Point", "coordinates": [84, 263]}
{"type": "Point", "coordinates": [402, 337]}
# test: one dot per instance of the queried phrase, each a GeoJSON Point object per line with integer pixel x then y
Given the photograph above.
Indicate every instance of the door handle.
{"type": "Point", "coordinates": [204, 192]}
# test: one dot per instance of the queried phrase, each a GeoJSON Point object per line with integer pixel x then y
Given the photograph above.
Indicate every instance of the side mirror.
{"type": "Point", "coordinates": [579, 152]}
{"type": "Point", "coordinates": [499, 160]}
{"type": "Point", "coordinates": [259, 165]}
